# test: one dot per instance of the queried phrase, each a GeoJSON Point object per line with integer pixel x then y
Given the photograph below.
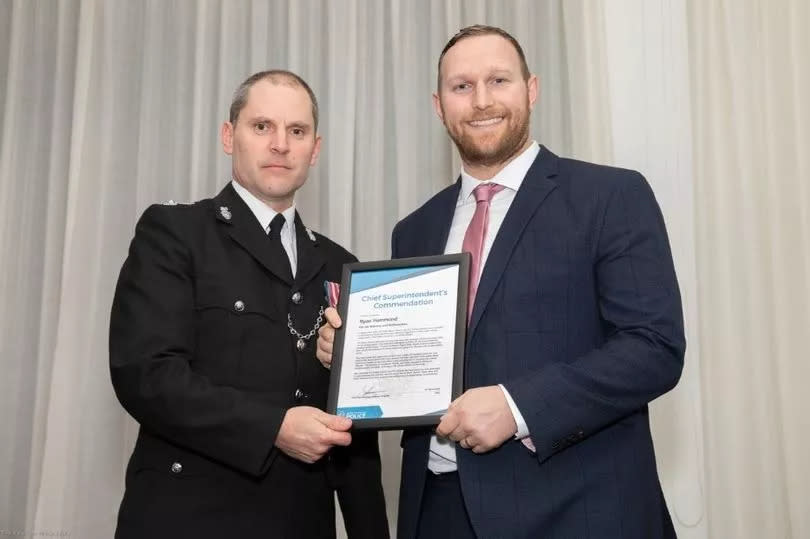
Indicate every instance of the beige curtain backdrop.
{"type": "Point", "coordinates": [750, 74]}
{"type": "Point", "coordinates": [109, 106]}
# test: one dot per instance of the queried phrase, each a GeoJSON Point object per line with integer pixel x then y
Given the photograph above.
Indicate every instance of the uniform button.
{"type": "Point", "coordinates": [299, 394]}
{"type": "Point", "coordinates": [297, 298]}
{"type": "Point", "coordinates": [177, 467]}
{"type": "Point", "coordinates": [239, 306]}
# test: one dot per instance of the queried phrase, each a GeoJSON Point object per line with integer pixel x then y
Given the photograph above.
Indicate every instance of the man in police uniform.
{"type": "Point", "coordinates": [211, 349]}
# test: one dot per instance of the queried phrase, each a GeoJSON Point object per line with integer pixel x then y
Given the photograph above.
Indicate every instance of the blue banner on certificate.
{"type": "Point", "coordinates": [398, 357]}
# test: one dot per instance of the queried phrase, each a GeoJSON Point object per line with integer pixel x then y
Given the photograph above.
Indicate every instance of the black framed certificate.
{"type": "Point", "coordinates": [398, 358]}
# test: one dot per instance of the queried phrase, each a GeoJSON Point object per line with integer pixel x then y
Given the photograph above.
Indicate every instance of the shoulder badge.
{"type": "Point", "coordinates": [225, 213]}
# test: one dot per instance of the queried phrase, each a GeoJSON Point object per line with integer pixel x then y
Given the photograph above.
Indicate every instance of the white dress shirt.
{"type": "Point", "coordinates": [443, 451]}
{"type": "Point", "coordinates": [265, 214]}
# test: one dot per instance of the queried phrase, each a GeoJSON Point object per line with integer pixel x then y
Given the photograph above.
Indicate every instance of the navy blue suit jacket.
{"type": "Point", "coordinates": [578, 314]}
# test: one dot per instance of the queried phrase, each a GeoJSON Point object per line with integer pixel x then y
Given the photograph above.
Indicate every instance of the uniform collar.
{"type": "Point", "coordinates": [262, 211]}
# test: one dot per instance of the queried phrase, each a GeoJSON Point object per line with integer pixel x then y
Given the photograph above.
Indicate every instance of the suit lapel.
{"type": "Point", "coordinates": [245, 230]}
{"type": "Point", "coordinates": [310, 257]}
{"type": "Point", "coordinates": [437, 222]}
{"type": "Point", "coordinates": [535, 188]}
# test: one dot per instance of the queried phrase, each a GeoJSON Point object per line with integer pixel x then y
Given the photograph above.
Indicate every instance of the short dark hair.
{"type": "Point", "coordinates": [275, 76]}
{"type": "Point", "coordinates": [482, 30]}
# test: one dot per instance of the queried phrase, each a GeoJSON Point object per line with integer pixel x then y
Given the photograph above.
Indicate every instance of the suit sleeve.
{"type": "Point", "coordinates": [642, 354]}
{"type": "Point", "coordinates": [152, 351]}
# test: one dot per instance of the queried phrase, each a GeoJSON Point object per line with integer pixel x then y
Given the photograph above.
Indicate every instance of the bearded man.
{"type": "Point", "coordinates": [576, 325]}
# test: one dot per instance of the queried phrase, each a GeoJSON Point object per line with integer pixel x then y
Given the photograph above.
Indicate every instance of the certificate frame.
{"type": "Point", "coordinates": [361, 420]}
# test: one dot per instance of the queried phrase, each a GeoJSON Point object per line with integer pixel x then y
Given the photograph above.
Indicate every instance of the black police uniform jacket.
{"type": "Point", "coordinates": [201, 356]}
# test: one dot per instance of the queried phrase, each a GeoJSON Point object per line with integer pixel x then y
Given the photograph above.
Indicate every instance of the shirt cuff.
{"type": "Point", "coordinates": [522, 427]}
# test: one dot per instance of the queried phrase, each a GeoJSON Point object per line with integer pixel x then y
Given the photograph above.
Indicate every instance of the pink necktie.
{"type": "Point", "coordinates": [476, 232]}
{"type": "Point", "coordinates": [474, 244]}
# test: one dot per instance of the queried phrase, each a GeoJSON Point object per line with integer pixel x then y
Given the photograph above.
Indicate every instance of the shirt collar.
{"type": "Point", "coordinates": [262, 211]}
{"type": "Point", "coordinates": [511, 176]}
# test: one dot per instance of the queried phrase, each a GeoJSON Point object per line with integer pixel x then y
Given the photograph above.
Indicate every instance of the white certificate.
{"type": "Point", "coordinates": [398, 356]}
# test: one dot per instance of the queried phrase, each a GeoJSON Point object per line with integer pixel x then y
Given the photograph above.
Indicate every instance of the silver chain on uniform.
{"type": "Point", "coordinates": [300, 336]}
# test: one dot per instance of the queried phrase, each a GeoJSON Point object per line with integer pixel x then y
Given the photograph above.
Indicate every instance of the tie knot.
{"type": "Point", "coordinates": [485, 192]}
{"type": "Point", "coordinates": [276, 225]}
